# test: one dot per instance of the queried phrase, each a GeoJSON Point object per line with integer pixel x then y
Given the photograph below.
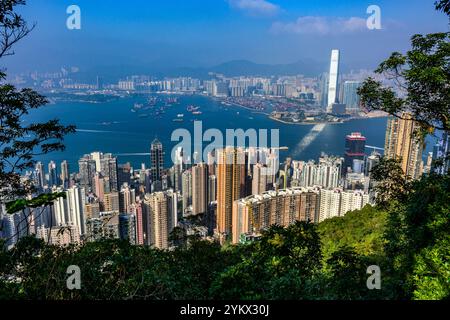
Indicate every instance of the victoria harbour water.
{"type": "Point", "coordinates": [111, 127]}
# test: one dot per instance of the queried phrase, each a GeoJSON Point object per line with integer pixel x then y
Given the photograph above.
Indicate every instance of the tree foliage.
{"type": "Point", "coordinates": [360, 230]}
{"type": "Point", "coordinates": [420, 80]}
{"type": "Point", "coordinates": [286, 264]}
{"type": "Point", "coordinates": [45, 199]}
{"type": "Point", "coordinates": [443, 5]}
{"type": "Point", "coordinates": [390, 182]}
{"type": "Point", "coordinates": [21, 143]}
{"type": "Point", "coordinates": [12, 26]}
{"type": "Point", "coordinates": [417, 229]}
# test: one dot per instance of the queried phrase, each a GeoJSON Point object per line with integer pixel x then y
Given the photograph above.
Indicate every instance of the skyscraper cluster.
{"type": "Point", "coordinates": [235, 195]}
{"type": "Point", "coordinates": [339, 97]}
{"type": "Point", "coordinates": [232, 197]}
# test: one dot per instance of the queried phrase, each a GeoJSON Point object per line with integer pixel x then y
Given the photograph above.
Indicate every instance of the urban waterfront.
{"type": "Point", "coordinates": [111, 127]}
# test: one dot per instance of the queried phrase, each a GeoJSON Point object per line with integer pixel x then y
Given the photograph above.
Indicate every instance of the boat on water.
{"type": "Point", "coordinates": [178, 120]}
{"type": "Point", "coordinates": [152, 101]}
{"type": "Point", "coordinates": [196, 112]}
{"type": "Point", "coordinates": [180, 115]}
{"type": "Point", "coordinates": [172, 100]}
{"type": "Point", "coordinates": [192, 108]}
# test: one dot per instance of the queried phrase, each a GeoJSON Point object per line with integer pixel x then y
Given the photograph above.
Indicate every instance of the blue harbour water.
{"type": "Point", "coordinates": [111, 127]}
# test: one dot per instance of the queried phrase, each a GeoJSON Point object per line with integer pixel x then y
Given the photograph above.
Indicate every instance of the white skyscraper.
{"type": "Point", "coordinates": [333, 82]}
{"type": "Point", "coordinates": [336, 202]}
{"type": "Point", "coordinates": [330, 203]}
{"type": "Point", "coordinates": [69, 211]}
{"type": "Point", "coordinates": [75, 206]}
{"type": "Point", "coordinates": [60, 209]}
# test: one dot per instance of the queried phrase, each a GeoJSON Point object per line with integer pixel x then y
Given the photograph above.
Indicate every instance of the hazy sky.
{"type": "Point", "coordinates": [207, 32]}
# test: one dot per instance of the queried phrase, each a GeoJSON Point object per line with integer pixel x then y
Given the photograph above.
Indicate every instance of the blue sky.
{"type": "Point", "coordinates": [208, 32]}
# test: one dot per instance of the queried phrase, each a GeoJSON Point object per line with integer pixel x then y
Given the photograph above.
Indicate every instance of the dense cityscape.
{"type": "Point", "coordinates": [224, 199]}
{"type": "Point", "coordinates": [290, 99]}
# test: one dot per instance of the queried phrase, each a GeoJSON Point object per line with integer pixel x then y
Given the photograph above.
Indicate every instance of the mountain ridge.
{"type": "Point", "coordinates": [232, 68]}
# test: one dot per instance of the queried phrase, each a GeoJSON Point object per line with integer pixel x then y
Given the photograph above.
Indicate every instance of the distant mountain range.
{"type": "Point", "coordinates": [244, 67]}
{"type": "Point", "coordinates": [229, 69]}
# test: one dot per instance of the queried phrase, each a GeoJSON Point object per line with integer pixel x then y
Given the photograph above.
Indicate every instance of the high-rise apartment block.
{"type": "Point", "coordinates": [231, 175]}
{"type": "Point", "coordinates": [350, 96]}
{"type": "Point", "coordinates": [257, 212]}
{"type": "Point", "coordinates": [199, 188]}
{"type": "Point", "coordinates": [161, 210]}
{"type": "Point", "coordinates": [403, 144]}
{"type": "Point", "coordinates": [156, 160]}
{"type": "Point", "coordinates": [336, 202]}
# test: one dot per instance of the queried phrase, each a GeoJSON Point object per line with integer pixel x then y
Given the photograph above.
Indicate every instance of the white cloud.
{"type": "Point", "coordinates": [321, 25]}
{"type": "Point", "coordinates": [255, 7]}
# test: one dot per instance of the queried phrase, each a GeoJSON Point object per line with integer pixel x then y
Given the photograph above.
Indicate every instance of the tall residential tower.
{"type": "Point", "coordinates": [402, 144]}
{"type": "Point", "coordinates": [157, 160]}
{"type": "Point", "coordinates": [230, 186]}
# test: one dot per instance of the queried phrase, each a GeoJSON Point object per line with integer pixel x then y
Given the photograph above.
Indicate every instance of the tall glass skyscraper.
{"type": "Point", "coordinates": [351, 98]}
{"type": "Point", "coordinates": [441, 152]}
{"type": "Point", "coordinates": [65, 174]}
{"type": "Point", "coordinates": [52, 174]}
{"type": "Point", "coordinates": [333, 82]}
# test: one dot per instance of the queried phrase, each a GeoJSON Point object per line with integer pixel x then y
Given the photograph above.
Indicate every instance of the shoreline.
{"type": "Point", "coordinates": [244, 107]}
{"type": "Point", "coordinates": [304, 123]}
{"type": "Point", "coordinates": [326, 122]}
{"type": "Point", "coordinates": [300, 123]}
